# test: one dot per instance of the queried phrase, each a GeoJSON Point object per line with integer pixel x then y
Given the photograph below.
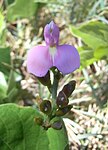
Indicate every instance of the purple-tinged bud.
{"type": "Point", "coordinates": [56, 123]}
{"type": "Point", "coordinates": [45, 80]}
{"type": "Point", "coordinates": [62, 100]}
{"type": "Point", "coordinates": [69, 88]}
{"type": "Point", "coordinates": [46, 107]}
{"type": "Point", "coordinates": [63, 111]}
{"type": "Point", "coordinates": [51, 34]}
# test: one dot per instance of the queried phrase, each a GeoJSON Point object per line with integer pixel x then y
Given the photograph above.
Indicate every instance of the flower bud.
{"type": "Point", "coordinates": [38, 120]}
{"type": "Point", "coordinates": [39, 100]}
{"type": "Point", "coordinates": [45, 80]}
{"type": "Point", "coordinates": [62, 100]}
{"type": "Point", "coordinates": [56, 123]}
{"type": "Point", "coordinates": [51, 34]}
{"type": "Point", "coordinates": [63, 111]}
{"type": "Point", "coordinates": [46, 107]}
{"type": "Point", "coordinates": [69, 88]}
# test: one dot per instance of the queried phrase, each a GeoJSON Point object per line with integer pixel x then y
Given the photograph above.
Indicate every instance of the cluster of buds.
{"type": "Point", "coordinates": [62, 107]}
{"type": "Point", "coordinates": [49, 119]}
{"type": "Point", "coordinates": [62, 100]}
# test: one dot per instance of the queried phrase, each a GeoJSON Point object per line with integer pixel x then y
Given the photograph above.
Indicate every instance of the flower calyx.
{"type": "Point", "coordinates": [69, 88]}
{"type": "Point", "coordinates": [62, 100]}
{"type": "Point", "coordinates": [46, 107]}
{"type": "Point", "coordinates": [63, 111]}
{"type": "Point", "coordinates": [56, 123]}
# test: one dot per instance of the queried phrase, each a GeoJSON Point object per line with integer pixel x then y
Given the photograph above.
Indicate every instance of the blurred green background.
{"type": "Point", "coordinates": [82, 23]}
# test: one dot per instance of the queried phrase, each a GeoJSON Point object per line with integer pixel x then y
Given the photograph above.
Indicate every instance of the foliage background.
{"type": "Point", "coordinates": [82, 23]}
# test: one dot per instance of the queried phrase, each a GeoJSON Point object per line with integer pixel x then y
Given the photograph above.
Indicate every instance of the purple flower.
{"type": "Point", "coordinates": [41, 58]}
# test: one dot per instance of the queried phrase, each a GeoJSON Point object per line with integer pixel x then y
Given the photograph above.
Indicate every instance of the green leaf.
{"type": "Point", "coordinates": [2, 30]}
{"type": "Point", "coordinates": [5, 60]}
{"type": "Point", "coordinates": [46, 1]}
{"type": "Point", "coordinates": [55, 144]}
{"type": "Point", "coordinates": [21, 9]}
{"type": "Point", "coordinates": [8, 2]}
{"type": "Point", "coordinates": [13, 92]}
{"type": "Point", "coordinates": [2, 23]}
{"type": "Point", "coordinates": [101, 52]}
{"type": "Point", "coordinates": [13, 95]}
{"type": "Point", "coordinates": [86, 56]}
{"type": "Point", "coordinates": [93, 33]}
{"type": "Point", "coordinates": [18, 131]}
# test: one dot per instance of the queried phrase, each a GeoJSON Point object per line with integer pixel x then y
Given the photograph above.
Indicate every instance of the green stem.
{"type": "Point", "coordinates": [54, 88]}
{"type": "Point", "coordinates": [54, 93]}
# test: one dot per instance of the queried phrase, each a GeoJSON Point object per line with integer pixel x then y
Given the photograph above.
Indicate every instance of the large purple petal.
{"type": "Point", "coordinates": [39, 61]}
{"type": "Point", "coordinates": [66, 59]}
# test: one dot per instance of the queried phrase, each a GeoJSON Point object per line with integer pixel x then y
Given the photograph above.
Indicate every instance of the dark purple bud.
{"type": "Point", "coordinates": [56, 123]}
{"type": "Point", "coordinates": [51, 34]}
{"type": "Point", "coordinates": [69, 88]}
{"type": "Point", "coordinates": [45, 80]}
{"type": "Point", "coordinates": [62, 100]}
{"type": "Point", "coordinates": [63, 111]}
{"type": "Point", "coordinates": [46, 107]}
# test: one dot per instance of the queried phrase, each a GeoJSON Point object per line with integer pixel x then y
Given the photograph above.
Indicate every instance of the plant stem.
{"type": "Point", "coordinates": [54, 87]}
{"type": "Point", "coordinates": [54, 92]}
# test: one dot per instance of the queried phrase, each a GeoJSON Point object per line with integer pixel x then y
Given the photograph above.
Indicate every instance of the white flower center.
{"type": "Point", "coordinates": [52, 51]}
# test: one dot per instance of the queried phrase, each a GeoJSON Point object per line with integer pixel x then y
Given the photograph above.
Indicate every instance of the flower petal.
{"type": "Point", "coordinates": [39, 60]}
{"type": "Point", "coordinates": [66, 59]}
{"type": "Point", "coordinates": [51, 34]}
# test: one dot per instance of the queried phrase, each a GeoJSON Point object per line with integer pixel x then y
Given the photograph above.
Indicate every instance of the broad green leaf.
{"type": "Point", "coordinates": [46, 1]}
{"type": "Point", "coordinates": [55, 144]}
{"type": "Point", "coordinates": [101, 52]}
{"type": "Point", "coordinates": [86, 56]}
{"type": "Point", "coordinates": [93, 33]}
{"type": "Point", "coordinates": [5, 60]}
{"type": "Point", "coordinates": [18, 131]}
{"type": "Point", "coordinates": [21, 9]}
{"type": "Point", "coordinates": [8, 2]}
